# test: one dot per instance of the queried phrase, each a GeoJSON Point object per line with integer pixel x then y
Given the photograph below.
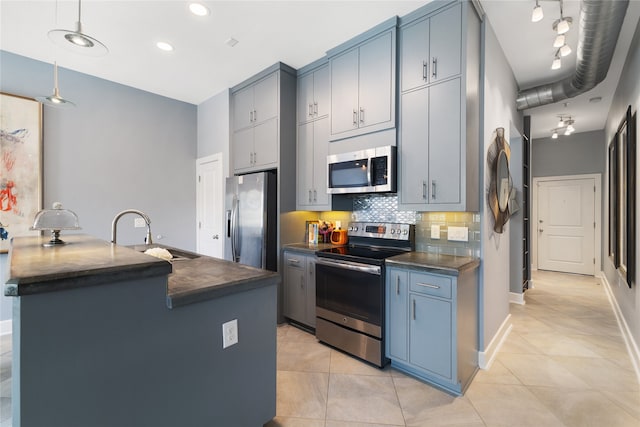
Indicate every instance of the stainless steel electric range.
{"type": "Point", "coordinates": [350, 288]}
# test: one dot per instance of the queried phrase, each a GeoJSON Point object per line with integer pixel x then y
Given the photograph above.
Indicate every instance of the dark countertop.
{"type": "Point", "coordinates": [308, 248]}
{"type": "Point", "coordinates": [88, 261]}
{"type": "Point", "coordinates": [435, 263]}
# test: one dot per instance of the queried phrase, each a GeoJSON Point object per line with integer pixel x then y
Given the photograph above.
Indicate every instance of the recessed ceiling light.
{"type": "Point", "coordinates": [231, 42]}
{"type": "Point", "coordinates": [199, 9]}
{"type": "Point", "coordinates": [164, 46]}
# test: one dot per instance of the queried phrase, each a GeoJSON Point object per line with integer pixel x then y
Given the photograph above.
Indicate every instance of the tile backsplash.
{"type": "Point", "coordinates": [384, 208]}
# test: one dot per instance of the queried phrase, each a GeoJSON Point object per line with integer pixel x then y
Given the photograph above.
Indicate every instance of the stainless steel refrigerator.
{"type": "Point", "coordinates": [251, 220]}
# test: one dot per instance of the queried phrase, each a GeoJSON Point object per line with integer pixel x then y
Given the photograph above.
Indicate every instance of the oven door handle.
{"type": "Point", "coordinates": [354, 266]}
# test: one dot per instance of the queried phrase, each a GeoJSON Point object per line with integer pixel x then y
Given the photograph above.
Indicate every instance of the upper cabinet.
{"type": "Point", "coordinates": [313, 95]}
{"type": "Point", "coordinates": [313, 137]}
{"type": "Point", "coordinates": [262, 118]}
{"type": "Point", "coordinates": [431, 49]}
{"type": "Point", "coordinates": [438, 148]}
{"type": "Point", "coordinates": [363, 83]}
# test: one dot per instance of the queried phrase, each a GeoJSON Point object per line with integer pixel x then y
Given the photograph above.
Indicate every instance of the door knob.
{"type": "Point", "coordinates": [215, 237]}
{"type": "Point", "coordinates": [540, 230]}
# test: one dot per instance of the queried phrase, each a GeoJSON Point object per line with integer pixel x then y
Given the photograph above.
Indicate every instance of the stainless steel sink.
{"type": "Point", "coordinates": [179, 255]}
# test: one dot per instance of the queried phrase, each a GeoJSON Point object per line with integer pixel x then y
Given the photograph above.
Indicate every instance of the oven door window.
{"type": "Point", "coordinates": [351, 174]}
{"type": "Point", "coordinates": [355, 294]}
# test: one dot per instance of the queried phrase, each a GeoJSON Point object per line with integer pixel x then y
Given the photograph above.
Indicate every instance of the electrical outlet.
{"type": "Point", "coordinates": [435, 231]}
{"type": "Point", "coordinates": [139, 223]}
{"type": "Point", "coordinates": [459, 234]}
{"type": "Point", "coordinates": [230, 333]}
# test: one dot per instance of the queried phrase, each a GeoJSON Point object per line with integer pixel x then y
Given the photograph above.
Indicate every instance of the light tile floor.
{"type": "Point", "coordinates": [563, 364]}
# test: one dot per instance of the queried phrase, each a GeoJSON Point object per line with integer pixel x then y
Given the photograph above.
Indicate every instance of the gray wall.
{"type": "Point", "coordinates": [119, 148]}
{"type": "Point", "coordinates": [500, 90]}
{"type": "Point", "coordinates": [627, 93]}
{"type": "Point", "coordinates": [213, 128]}
{"type": "Point", "coordinates": [580, 153]}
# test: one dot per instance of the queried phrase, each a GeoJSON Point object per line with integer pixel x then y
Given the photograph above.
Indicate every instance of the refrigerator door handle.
{"type": "Point", "coordinates": [234, 229]}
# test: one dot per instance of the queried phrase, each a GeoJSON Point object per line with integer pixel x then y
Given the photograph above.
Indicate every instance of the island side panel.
{"type": "Point", "coordinates": [116, 355]}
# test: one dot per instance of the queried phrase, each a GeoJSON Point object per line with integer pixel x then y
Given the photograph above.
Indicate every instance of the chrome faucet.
{"type": "Point", "coordinates": [147, 220]}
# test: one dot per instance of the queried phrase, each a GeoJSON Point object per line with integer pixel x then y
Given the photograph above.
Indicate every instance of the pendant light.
{"type": "Point", "coordinates": [556, 64]}
{"type": "Point", "coordinates": [76, 40]}
{"type": "Point", "coordinates": [55, 100]}
{"type": "Point", "coordinates": [561, 26]}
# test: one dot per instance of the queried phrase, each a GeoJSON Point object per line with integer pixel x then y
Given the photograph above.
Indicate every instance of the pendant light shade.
{"type": "Point", "coordinates": [556, 64]}
{"type": "Point", "coordinates": [565, 50]}
{"type": "Point", "coordinates": [559, 41]}
{"type": "Point", "coordinates": [76, 41]}
{"type": "Point", "coordinates": [554, 135]}
{"type": "Point", "coordinates": [537, 13]}
{"type": "Point", "coordinates": [55, 100]}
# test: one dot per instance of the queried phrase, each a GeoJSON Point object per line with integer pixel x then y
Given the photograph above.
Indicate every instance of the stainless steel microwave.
{"type": "Point", "coordinates": [365, 171]}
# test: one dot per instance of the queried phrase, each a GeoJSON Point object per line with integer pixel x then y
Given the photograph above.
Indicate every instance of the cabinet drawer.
{"type": "Point", "coordinates": [430, 284]}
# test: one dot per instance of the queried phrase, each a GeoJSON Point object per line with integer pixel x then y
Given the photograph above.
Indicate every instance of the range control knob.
{"type": "Point", "coordinates": [405, 232]}
{"type": "Point", "coordinates": [393, 231]}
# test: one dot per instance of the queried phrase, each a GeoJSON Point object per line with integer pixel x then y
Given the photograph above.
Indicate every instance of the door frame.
{"type": "Point", "coordinates": [199, 162]}
{"type": "Point", "coordinates": [597, 216]}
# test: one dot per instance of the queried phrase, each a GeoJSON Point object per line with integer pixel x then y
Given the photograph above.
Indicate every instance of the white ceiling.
{"type": "Point", "coordinates": [294, 32]}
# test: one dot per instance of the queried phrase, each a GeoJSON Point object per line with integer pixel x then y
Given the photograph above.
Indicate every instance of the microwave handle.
{"type": "Point", "coordinates": [369, 165]}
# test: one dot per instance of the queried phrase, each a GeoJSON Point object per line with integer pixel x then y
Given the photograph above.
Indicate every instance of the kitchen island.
{"type": "Point", "coordinates": [105, 335]}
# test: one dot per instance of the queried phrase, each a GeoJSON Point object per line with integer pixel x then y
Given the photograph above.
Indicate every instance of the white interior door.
{"type": "Point", "coordinates": [210, 206]}
{"type": "Point", "coordinates": [566, 225]}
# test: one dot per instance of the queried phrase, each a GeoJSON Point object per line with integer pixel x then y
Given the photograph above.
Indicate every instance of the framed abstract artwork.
{"type": "Point", "coordinates": [20, 166]}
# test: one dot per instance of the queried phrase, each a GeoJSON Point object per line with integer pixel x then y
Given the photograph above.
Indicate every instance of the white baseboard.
{"type": "Point", "coordinates": [486, 358]}
{"type": "Point", "coordinates": [632, 346]}
{"type": "Point", "coordinates": [5, 327]}
{"type": "Point", "coordinates": [516, 298]}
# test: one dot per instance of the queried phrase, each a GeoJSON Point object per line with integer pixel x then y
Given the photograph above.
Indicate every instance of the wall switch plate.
{"type": "Point", "coordinates": [230, 333]}
{"type": "Point", "coordinates": [435, 231]}
{"type": "Point", "coordinates": [139, 222]}
{"type": "Point", "coordinates": [458, 234]}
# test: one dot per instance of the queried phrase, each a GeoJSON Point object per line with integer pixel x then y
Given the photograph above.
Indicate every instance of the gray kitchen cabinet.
{"type": "Point", "coordinates": [438, 146]}
{"type": "Point", "coordinates": [426, 56]}
{"type": "Point", "coordinates": [313, 94]}
{"type": "Point", "coordinates": [258, 119]}
{"type": "Point", "coordinates": [363, 82]}
{"type": "Point", "coordinates": [300, 288]}
{"type": "Point", "coordinates": [431, 325]}
{"type": "Point", "coordinates": [313, 147]}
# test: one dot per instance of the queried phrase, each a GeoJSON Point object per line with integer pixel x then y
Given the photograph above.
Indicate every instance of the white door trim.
{"type": "Point", "coordinates": [597, 247]}
{"type": "Point", "coordinates": [200, 161]}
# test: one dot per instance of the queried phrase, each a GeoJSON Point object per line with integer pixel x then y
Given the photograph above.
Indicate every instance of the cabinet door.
{"type": "Point", "coordinates": [321, 92]}
{"type": "Point", "coordinates": [305, 98]}
{"type": "Point", "coordinates": [242, 149]}
{"type": "Point", "coordinates": [344, 92]}
{"type": "Point", "coordinates": [414, 146]}
{"type": "Point", "coordinates": [375, 92]}
{"type": "Point", "coordinates": [414, 55]}
{"type": "Point", "coordinates": [319, 161]}
{"type": "Point", "coordinates": [310, 312]}
{"type": "Point", "coordinates": [265, 152]}
{"type": "Point", "coordinates": [243, 108]}
{"type": "Point", "coordinates": [265, 101]}
{"type": "Point", "coordinates": [305, 158]}
{"type": "Point", "coordinates": [294, 287]}
{"type": "Point", "coordinates": [430, 334]}
{"type": "Point", "coordinates": [397, 301]}
{"type": "Point", "coordinates": [446, 44]}
{"type": "Point", "coordinates": [445, 142]}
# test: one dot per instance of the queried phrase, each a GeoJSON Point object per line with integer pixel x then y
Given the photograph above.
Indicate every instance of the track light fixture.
{"type": "Point", "coordinates": [565, 123]}
{"type": "Point", "coordinates": [537, 13]}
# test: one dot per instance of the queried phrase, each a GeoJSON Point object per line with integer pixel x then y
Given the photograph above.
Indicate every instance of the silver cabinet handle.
{"type": "Point", "coordinates": [310, 196]}
{"type": "Point", "coordinates": [433, 189]}
{"type": "Point", "coordinates": [355, 117]}
{"type": "Point", "coordinates": [434, 67]}
{"type": "Point", "coordinates": [315, 195]}
{"type": "Point", "coordinates": [397, 285]}
{"type": "Point", "coordinates": [424, 189]}
{"type": "Point", "coordinates": [361, 115]}
{"type": "Point", "coordinates": [413, 309]}
{"type": "Point", "coordinates": [315, 108]}
{"type": "Point", "coordinates": [428, 285]}
{"type": "Point", "coordinates": [310, 109]}
{"type": "Point", "coordinates": [293, 261]}
{"type": "Point", "coordinates": [255, 116]}
{"type": "Point", "coordinates": [255, 157]}
{"type": "Point", "coordinates": [250, 116]}
{"type": "Point", "coordinates": [424, 70]}
{"type": "Point", "coordinates": [215, 237]}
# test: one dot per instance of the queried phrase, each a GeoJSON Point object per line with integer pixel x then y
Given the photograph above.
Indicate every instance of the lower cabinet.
{"type": "Point", "coordinates": [431, 326]}
{"type": "Point", "coordinates": [300, 288]}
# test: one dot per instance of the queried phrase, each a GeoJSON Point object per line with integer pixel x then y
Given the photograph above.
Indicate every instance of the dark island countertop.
{"type": "Point", "coordinates": [88, 261]}
{"type": "Point", "coordinates": [451, 265]}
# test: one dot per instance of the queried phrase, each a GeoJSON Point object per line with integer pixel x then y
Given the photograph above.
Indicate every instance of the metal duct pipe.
{"type": "Point", "coordinates": [600, 24]}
